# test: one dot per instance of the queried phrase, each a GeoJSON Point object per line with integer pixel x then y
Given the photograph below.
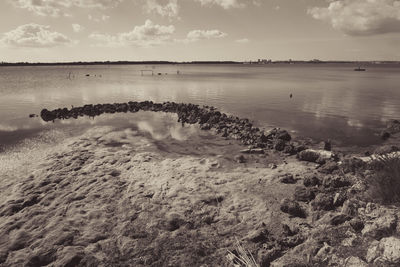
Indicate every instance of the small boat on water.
{"type": "Point", "coordinates": [359, 69]}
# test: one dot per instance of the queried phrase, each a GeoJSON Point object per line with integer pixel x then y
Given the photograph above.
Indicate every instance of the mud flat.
{"type": "Point", "coordinates": [120, 197]}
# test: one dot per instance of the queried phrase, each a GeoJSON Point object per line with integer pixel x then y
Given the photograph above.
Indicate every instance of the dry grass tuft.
{"type": "Point", "coordinates": [241, 257]}
{"type": "Point", "coordinates": [385, 184]}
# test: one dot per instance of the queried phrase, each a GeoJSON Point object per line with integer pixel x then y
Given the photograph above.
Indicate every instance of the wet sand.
{"type": "Point", "coordinates": [121, 197]}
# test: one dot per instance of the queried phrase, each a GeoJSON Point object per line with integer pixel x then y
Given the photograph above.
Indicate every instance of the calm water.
{"type": "Point", "coordinates": [329, 101]}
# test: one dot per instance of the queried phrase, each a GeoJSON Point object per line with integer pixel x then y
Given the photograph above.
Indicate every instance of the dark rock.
{"type": "Point", "coordinates": [240, 159]}
{"type": "Point", "coordinates": [317, 156]}
{"type": "Point", "coordinates": [290, 149]}
{"type": "Point", "coordinates": [327, 145]}
{"type": "Point", "coordinates": [386, 149]}
{"type": "Point", "coordinates": [287, 179]}
{"type": "Point", "coordinates": [357, 224]}
{"type": "Point", "coordinates": [303, 194]}
{"type": "Point", "coordinates": [323, 202]}
{"type": "Point", "coordinates": [339, 219]}
{"type": "Point", "coordinates": [339, 199]}
{"type": "Point", "coordinates": [311, 180]}
{"type": "Point", "coordinates": [265, 257]}
{"type": "Point", "coordinates": [336, 182]}
{"type": "Point", "coordinates": [258, 236]}
{"type": "Point", "coordinates": [279, 145]}
{"type": "Point", "coordinates": [385, 135]}
{"type": "Point", "coordinates": [329, 167]}
{"type": "Point", "coordinates": [292, 208]}
{"type": "Point", "coordinates": [283, 135]}
{"type": "Point", "coordinates": [174, 222]}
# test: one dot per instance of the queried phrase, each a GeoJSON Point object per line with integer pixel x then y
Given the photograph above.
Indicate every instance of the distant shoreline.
{"type": "Point", "coordinates": [2, 64]}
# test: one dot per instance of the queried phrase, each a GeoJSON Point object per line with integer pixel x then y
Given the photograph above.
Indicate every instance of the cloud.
{"type": "Point", "coordinates": [149, 34]}
{"type": "Point", "coordinates": [77, 27]}
{"type": "Point", "coordinates": [34, 35]}
{"type": "Point", "coordinates": [360, 17]}
{"type": "Point", "coordinates": [56, 8]}
{"type": "Point", "coordinates": [226, 4]}
{"type": "Point", "coordinates": [165, 8]}
{"type": "Point", "coordinates": [197, 35]}
{"type": "Point", "coordinates": [98, 19]}
{"type": "Point", "coordinates": [243, 41]}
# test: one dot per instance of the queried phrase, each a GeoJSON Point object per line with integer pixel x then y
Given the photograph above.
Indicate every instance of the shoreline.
{"type": "Point", "coordinates": [119, 197]}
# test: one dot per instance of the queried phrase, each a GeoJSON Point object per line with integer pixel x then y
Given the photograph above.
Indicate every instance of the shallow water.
{"type": "Point", "coordinates": [330, 101]}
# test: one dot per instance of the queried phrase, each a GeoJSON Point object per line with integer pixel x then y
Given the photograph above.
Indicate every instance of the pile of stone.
{"type": "Point", "coordinates": [208, 118]}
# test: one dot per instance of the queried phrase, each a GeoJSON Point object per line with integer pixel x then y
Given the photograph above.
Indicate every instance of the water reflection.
{"type": "Point", "coordinates": [329, 101]}
{"type": "Point", "coordinates": [158, 126]}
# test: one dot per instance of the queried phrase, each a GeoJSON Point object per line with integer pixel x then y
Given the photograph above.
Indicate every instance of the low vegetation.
{"type": "Point", "coordinates": [385, 183]}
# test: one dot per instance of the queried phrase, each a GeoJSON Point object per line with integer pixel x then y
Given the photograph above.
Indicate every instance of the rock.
{"type": "Point", "coordinates": [279, 145]}
{"type": "Point", "coordinates": [391, 249]}
{"type": "Point", "coordinates": [355, 262]}
{"type": "Point", "coordinates": [357, 224]}
{"type": "Point", "coordinates": [303, 194]}
{"type": "Point", "coordinates": [287, 179]}
{"type": "Point", "coordinates": [311, 181]}
{"type": "Point", "coordinates": [329, 167]}
{"type": "Point", "coordinates": [311, 155]}
{"type": "Point", "coordinates": [339, 219]}
{"type": "Point", "coordinates": [327, 145]}
{"type": "Point", "coordinates": [283, 135]}
{"type": "Point", "coordinates": [290, 149]}
{"type": "Point", "coordinates": [339, 199]}
{"type": "Point", "coordinates": [252, 151]}
{"type": "Point", "coordinates": [386, 149]}
{"type": "Point", "coordinates": [174, 222]}
{"type": "Point", "coordinates": [265, 257]}
{"type": "Point", "coordinates": [258, 236]}
{"type": "Point", "coordinates": [350, 207]}
{"type": "Point", "coordinates": [292, 208]}
{"type": "Point", "coordinates": [323, 202]}
{"type": "Point", "coordinates": [272, 166]}
{"type": "Point", "coordinates": [385, 135]}
{"type": "Point", "coordinates": [373, 251]}
{"type": "Point", "coordinates": [381, 227]}
{"type": "Point", "coordinates": [336, 182]}
{"type": "Point", "coordinates": [240, 159]}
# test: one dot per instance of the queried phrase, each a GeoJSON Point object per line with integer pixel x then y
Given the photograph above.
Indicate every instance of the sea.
{"type": "Point", "coordinates": [319, 101]}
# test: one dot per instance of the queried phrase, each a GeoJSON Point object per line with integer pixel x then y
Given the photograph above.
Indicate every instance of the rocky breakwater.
{"type": "Point", "coordinates": [209, 118]}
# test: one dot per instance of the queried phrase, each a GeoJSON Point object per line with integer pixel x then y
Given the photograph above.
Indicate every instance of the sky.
{"type": "Point", "coordinates": [189, 30]}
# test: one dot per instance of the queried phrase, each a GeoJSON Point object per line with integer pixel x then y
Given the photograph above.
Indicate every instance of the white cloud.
{"type": "Point", "coordinates": [34, 35]}
{"type": "Point", "coordinates": [197, 35]}
{"type": "Point", "coordinates": [57, 8]}
{"type": "Point", "coordinates": [98, 18]}
{"type": "Point", "coordinates": [77, 27]}
{"type": "Point", "coordinates": [360, 17]}
{"type": "Point", "coordinates": [148, 34]}
{"type": "Point", "coordinates": [226, 4]}
{"type": "Point", "coordinates": [165, 8]}
{"type": "Point", "coordinates": [243, 41]}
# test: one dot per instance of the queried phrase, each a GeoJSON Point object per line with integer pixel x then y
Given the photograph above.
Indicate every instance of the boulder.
{"type": "Point", "coordinates": [336, 182]}
{"type": "Point", "coordinates": [287, 179]}
{"type": "Point", "coordinates": [240, 159]}
{"type": "Point", "coordinates": [312, 155]}
{"type": "Point", "coordinates": [323, 202]}
{"type": "Point", "coordinates": [391, 249]}
{"type": "Point", "coordinates": [311, 180]}
{"type": "Point", "coordinates": [329, 167]}
{"type": "Point", "coordinates": [355, 262]}
{"type": "Point", "coordinates": [292, 208]}
{"type": "Point", "coordinates": [303, 194]}
{"type": "Point", "coordinates": [380, 227]}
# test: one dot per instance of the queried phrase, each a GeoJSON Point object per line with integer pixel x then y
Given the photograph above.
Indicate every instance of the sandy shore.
{"type": "Point", "coordinates": [120, 197]}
